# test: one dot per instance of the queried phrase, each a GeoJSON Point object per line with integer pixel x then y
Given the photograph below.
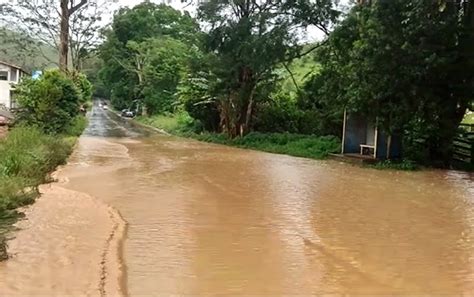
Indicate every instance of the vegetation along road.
{"type": "Point", "coordinates": [238, 198]}
{"type": "Point", "coordinates": [210, 219]}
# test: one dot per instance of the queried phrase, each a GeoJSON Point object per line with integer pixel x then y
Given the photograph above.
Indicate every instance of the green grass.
{"type": "Point", "coordinates": [307, 146]}
{"type": "Point", "coordinates": [405, 165]}
{"type": "Point", "coordinates": [302, 68]}
{"type": "Point", "coordinates": [172, 123]}
{"type": "Point", "coordinates": [77, 126]}
{"type": "Point", "coordinates": [27, 156]}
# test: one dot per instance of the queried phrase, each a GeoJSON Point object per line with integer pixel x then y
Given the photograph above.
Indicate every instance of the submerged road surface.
{"type": "Point", "coordinates": [207, 219]}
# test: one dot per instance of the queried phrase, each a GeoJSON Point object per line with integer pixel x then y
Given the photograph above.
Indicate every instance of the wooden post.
{"type": "Point", "coordinates": [344, 131]}
{"type": "Point", "coordinates": [472, 153]}
{"type": "Point", "coordinates": [389, 146]}
{"type": "Point", "coordinates": [376, 138]}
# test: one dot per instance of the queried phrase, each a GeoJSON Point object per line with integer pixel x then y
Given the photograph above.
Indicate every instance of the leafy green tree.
{"type": "Point", "coordinates": [50, 103]}
{"type": "Point", "coordinates": [83, 85]}
{"type": "Point", "coordinates": [250, 40]}
{"type": "Point", "coordinates": [196, 89]}
{"type": "Point", "coordinates": [69, 27]}
{"type": "Point", "coordinates": [407, 63]}
{"type": "Point", "coordinates": [143, 54]}
{"type": "Point", "coordinates": [160, 64]}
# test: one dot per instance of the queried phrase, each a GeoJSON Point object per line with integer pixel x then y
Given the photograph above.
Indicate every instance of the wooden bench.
{"type": "Point", "coordinates": [366, 146]}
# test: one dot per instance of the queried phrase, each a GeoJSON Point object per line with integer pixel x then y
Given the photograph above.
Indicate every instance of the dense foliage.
{"type": "Point", "coordinates": [51, 102]}
{"type": "Point", "coordinates": [405, 64]}
{"type": "Point", "coordinates": [48, 124]}
{"type": "Point", "coordinates": [251, 40]}
{"type": "Point", "coordinates": [408, 64]}
{"type": "Point", "coordinates": [145, 52]}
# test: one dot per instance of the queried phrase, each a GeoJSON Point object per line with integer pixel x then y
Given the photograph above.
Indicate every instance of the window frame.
{"type": "Point", "coordinates": [7, 75]}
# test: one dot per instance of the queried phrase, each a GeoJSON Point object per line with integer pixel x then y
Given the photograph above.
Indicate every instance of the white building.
{"type": "Point", "coordinates": [10, 75]}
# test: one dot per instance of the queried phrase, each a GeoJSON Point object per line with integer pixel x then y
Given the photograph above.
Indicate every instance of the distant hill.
{"type": "Point", "coordinates": [22, 51]}
{"type": "Point", "coordinates": [302, 68]}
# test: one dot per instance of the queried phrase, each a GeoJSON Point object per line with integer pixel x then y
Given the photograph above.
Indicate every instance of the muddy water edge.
{"type": "Point", "coordinates": [205, 219]}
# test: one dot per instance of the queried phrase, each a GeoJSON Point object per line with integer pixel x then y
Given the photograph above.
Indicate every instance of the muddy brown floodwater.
{"type": "Point", "coordinates": [206, 219]}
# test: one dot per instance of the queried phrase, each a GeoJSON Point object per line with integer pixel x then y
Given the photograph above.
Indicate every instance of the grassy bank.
{"type": "Point", "coordinates": [308, 146]}
{"type": "Point", "coordinates": [27, 156]}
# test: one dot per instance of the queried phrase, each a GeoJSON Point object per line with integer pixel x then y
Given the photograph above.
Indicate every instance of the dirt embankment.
{"type": "Point", "coordinates": [3, 131]}
{"type": "Point", "coordinates": [69, 244]}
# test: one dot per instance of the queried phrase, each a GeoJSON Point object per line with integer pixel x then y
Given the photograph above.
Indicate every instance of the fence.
{"type": "Point", "coordinates": [464, 145]}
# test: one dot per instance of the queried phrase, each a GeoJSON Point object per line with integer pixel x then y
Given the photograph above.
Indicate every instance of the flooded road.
{"type": "Point", "coordinates": [205, 219]}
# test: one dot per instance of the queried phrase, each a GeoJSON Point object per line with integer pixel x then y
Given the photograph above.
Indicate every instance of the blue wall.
{"type": "Point", "coordinates": [355, 135]}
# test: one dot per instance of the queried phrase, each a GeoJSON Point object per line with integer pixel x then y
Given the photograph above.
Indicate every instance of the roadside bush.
{"type": "Point", "coordinates": [279, 115]}
{"type": "Point", "coordinates": [204, 112]}
{"type": "Point", "coordinates": [177, 123]}
{"type": "Point", "coordinates": [84, 86]}
{"type": "Point", "coordinates": [298, 145]}
{"type": "Point", "coordinates": [26, 156]}
{"type": "Point", "coordinates": [50, 103]}
{"type": "Point", "coordinates": [404, 164]}
{"type": "Point", "coordinates": [77, 126]}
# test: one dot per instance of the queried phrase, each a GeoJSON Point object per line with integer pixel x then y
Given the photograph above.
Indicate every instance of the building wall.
{"type": "Point", "coordinates": [355, 134]}
{"type": "Point", "coordinates": [14, 75]}
{"type": "Point", "coordinates": [5, 88]}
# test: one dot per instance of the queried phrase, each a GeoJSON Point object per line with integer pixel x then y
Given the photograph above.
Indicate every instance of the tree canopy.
{"type": "Point", "coordinates": [408, 64]}
{"type": "Point", "coordinates": [145, 49]}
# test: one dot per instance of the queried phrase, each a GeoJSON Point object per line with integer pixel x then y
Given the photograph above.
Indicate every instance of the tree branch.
{"type": "Point", "coordinates": [73, 9]}
{"type": "Point", "coordinates": [292, 76]}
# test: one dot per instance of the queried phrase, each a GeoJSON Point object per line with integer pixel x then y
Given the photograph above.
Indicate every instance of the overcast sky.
{"type": "Point", "coordinates": [312, 32]}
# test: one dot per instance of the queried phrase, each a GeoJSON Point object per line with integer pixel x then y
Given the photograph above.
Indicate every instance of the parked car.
{"type": "Point", "coordinates": [127, 113]}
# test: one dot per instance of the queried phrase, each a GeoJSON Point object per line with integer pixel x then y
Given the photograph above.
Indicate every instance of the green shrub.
{"type": "Point", "coordinates": [205, 112]}
{"type": "Point", "coordinates": [404, 164]}
{"type": "Point", "coordinates": [26, 157]}
{"type": "Point", "coordinates": [77, 126]}
{"type": "Point", "coordinates": [177, 123]}
{"type": "Point", "coordinates": [84, 85]}
{"type": "Point", "coordinates": [298, 145]}
{"type": "Point", "coordinates": [280, 115]}
{"type": "Point", "coordinates": [50, 103]}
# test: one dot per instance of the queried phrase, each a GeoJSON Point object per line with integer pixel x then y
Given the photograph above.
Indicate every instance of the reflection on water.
{"type": "Point", "coordinates": [208, 219]}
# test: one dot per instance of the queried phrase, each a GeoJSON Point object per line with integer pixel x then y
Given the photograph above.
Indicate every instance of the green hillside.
{"type": "Point", "coordinates": [302, 68]}
{"type": "Point", "coordinates": [22, 51]}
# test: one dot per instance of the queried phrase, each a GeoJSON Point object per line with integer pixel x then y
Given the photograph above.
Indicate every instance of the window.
{"type": "Point", "coordinates": [13, 75]}
{"type": "Point", "coordinates": [3, 75]}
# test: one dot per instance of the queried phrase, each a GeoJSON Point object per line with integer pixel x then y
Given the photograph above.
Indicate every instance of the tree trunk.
{"type": "Point", "coordinates": [66, 13]}
{"type": "Point", "coordinates": [64, 36]}
{"type": "Point", "coordinates": [441, 144]}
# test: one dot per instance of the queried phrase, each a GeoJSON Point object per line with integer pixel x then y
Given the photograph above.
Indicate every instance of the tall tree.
{"type": "Point", "coordinates": [68, 8]}
{"type": "Point", "coordinates": [143, 53]}
{"type": "Point", "coordinates": [53, 24]}
{"type": "Point", "coordinates": [251, 38]}
{"type": "Point", "coordinates": [409, 64]}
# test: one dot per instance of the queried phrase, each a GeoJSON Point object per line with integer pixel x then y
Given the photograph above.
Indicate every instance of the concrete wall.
{"type": "Point", "coordinates": [5, 88]}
